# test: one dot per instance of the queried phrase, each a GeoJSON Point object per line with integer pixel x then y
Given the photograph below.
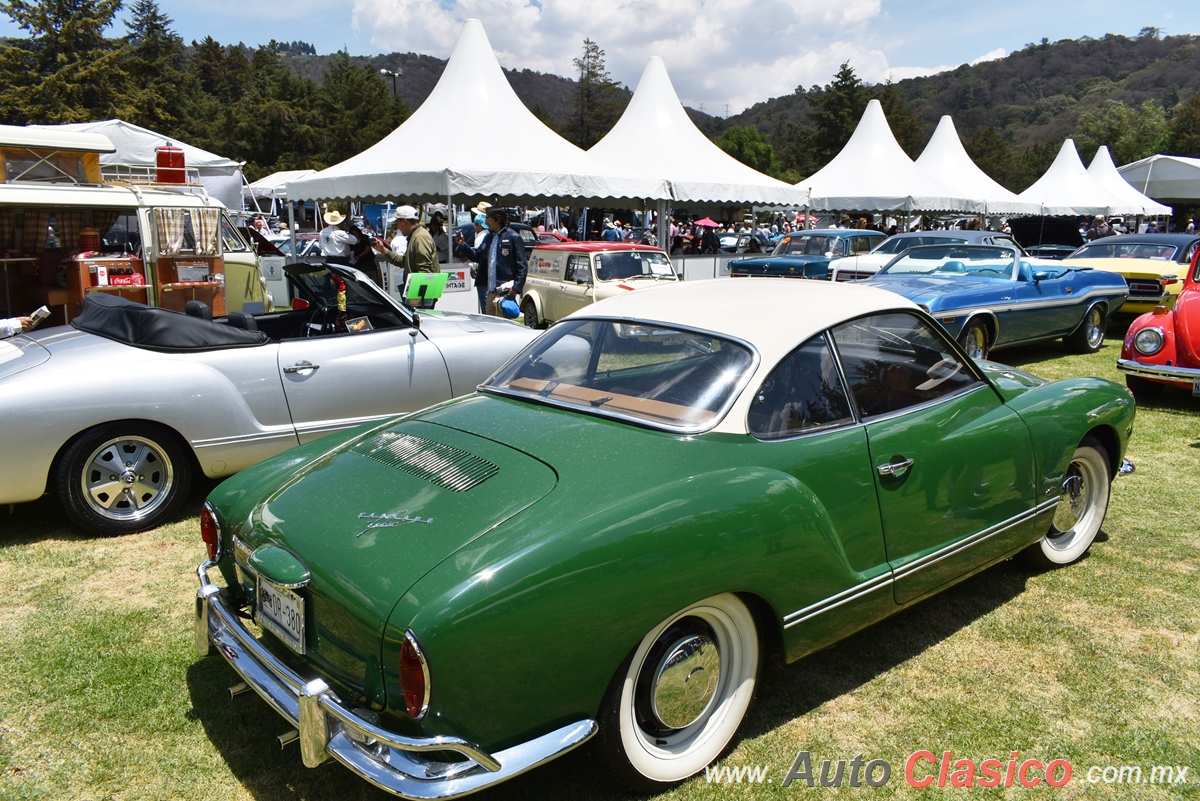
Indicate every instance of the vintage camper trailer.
{"type": "Point", "coordinates": [151, 235]}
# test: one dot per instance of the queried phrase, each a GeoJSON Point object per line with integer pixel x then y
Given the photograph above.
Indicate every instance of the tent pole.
{"type": "Point", "coordinates": [292, 226]}
{"type": "Point", "coordinates": [660, 220]}
{"type": "Point", "coordinates": [451, 224]}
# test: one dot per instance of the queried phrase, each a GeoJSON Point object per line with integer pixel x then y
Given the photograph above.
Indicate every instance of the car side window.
{"type": "Point", "coordinates": [897, 360]}
{"type": "Point", "coordinates": [578, 269]}
{"type": "Point", "coordinates": [804, 393]}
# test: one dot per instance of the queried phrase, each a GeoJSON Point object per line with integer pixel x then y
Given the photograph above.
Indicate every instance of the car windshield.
{"type": "Point", "coordinates": [809, 245]}
{"type": "Point", "coordinates": [671, 378]}
{"type": "Point", "coordinates": [632, 264]}
{"type": "Point", "coordinates": [899, 244]}
{"type": "Point", "coordinates": [1127, 250]}
{"type": "Point", "coordinates": [989, 262]}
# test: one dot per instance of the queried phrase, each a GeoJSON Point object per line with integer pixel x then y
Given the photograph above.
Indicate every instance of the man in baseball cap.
{"type": "Point", "coordinates": [421, 254]}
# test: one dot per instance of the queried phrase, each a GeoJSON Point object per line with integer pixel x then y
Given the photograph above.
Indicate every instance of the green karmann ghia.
{"type": "Point", "coordinates": [608, 537]}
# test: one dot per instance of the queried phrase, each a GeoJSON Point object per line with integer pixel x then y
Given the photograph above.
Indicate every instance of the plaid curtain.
{"type": "Point", "coordinates": [204, 223]}
{"type": "Point", "coordinates": [34, 231]}
{"type": "Point", "coordinates": [6, 231]}
{"type": "Point", "coordinates": [170, 231]}
{"type": "Point", "coordinates": [69, 222]}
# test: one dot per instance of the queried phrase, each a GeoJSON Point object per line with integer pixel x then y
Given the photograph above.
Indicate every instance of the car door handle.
{"type": "Point", "coordinates": [895, 468]}
{"type": "Point", "coordinates": [301, 366]}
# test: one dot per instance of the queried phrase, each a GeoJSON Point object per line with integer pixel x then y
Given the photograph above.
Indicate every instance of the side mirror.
{"type": "Point", "coordinates": [1038, 277]}
{"type": "Point", "coordinates": [416, 325]}
{"type": "Point", "coordinates": [299, 304]}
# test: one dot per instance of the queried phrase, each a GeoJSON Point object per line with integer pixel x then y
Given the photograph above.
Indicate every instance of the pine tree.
{"type": "Point", "coordinates": [598, 105]}
{"type": "Point", "coordinates": [357, 109]}
{"type": "Point", "coordinates": [66, 70]}
{"type": "Point", "coordinates": [1185, 128]}
{"type": "Point", "coordinates": [154, 63]}
{"type": "Point", "coordinates": [836, 111]}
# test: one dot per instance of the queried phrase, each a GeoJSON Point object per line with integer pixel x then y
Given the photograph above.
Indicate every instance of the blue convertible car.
{"type": "Point", "coordinates": [989, 296]}
{"type": "Point", "coordinates": [807, 254]}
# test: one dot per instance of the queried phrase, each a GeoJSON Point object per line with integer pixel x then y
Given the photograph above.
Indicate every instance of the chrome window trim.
{"type": "Point", "coordinates": [938, 332]}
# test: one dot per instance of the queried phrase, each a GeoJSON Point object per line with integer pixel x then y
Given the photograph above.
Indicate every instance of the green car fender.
{"type": "Point", "coordinates": [1061, 414]}
{"type": "Point", "coordinates": [505, 622]}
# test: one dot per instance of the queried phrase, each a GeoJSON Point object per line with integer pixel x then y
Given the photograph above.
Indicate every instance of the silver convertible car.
{"type": "Point", "coordinates": [115, 413]}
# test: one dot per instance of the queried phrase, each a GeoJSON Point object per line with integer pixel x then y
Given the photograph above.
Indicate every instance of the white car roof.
{"type": "Point", "coordinates": [772, 314]}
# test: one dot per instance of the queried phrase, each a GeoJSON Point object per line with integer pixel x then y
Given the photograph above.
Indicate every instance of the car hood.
{"type": "Point", "coordinates": [925, 288]}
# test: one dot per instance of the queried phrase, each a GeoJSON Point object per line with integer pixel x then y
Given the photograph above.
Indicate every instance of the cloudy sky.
{"type": "Point", "coordinates": [723, 55]}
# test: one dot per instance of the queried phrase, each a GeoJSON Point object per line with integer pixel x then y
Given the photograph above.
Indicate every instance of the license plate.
{"type": "Point", "coordinates": [1196, 387]}
{"type": "Point", "coordinates": [281, 612]}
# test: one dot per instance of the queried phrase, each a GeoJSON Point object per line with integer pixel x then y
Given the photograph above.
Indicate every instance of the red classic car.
{"type": "Point", "coordinates": [1163, 346]}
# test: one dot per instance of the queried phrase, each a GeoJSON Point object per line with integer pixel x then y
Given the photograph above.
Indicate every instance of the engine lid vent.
{"type": "Point", "coordinates": [439, 464]}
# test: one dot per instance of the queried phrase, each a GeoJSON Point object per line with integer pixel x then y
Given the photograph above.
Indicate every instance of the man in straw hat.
{"type": "Point", "coordinates": [336, 241]}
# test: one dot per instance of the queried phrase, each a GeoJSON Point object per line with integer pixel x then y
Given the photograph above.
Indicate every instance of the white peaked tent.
{"type": "Point", "coordinates": [945, 160]}
{"type": "Point", "coordinates": [272, 188]}
{"type": "Point", "coordinates": [1168, 177]}
{"type": "Point", "coordinates": [873, 173]}
{"type": "Point", "coordinates": [1067, 189]}
{"type": "Point", "coordinates": [1104, 172]}
{"type": "Point", "coordinates": [656, 137]}
{"type": "Point", "coordinates": [221, 177]}
{"type": "Point", "coordinates": [472, 136]}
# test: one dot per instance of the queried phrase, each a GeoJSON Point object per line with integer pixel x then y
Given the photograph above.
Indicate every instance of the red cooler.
{"type": "Point", "coordinates": [169, 165]}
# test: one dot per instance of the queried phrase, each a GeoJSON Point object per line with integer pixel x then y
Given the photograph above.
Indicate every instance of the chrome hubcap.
{"type": "Point", "coordinates": [126, 479]}
{"type": "Point", "coordinates": [1072, 502]}
{"type": "Point", "coordinates": [1095, 332]}
{"type": "Point", "coordinates": [974, 344]}
{"type": "Point", "coordinates": [686, 681]}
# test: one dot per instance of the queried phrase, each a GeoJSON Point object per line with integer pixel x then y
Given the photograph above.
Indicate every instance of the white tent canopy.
{"type": "Point", "coordinates": [656, 137]}
{"type": "Point", "coordinates": [1067, 189]}
{"type": "Point", "coordinates": [946, 160]}
{"type": "Point", "coordinates": [1168, 177]}
{"type": "Point", "coordinates": [1105, 173]}
{"type": "Point", "coordinates": [873, 173]}
{"type": "Point", "coordinates": [221, 177]}
{"type": "Point", "coordinates": [273, 185]}
{"type": "Point", "coordinates": [472, 136]}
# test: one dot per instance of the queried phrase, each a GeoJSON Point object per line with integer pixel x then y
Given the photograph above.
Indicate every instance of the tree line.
{"type": "Point", "coordinates": [241, 103]}
{"type": "Point", "coordinates": [250, 104]}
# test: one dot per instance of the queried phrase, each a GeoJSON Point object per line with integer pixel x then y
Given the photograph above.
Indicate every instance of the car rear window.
{"type": "Point", "coordinates": [672, 378]}
{"type": "Point", "coordinates": [1124, 250]}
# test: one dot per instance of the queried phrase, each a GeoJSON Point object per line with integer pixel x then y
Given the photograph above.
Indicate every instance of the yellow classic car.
{"type": "Point", "coordinates": [1153, 265]}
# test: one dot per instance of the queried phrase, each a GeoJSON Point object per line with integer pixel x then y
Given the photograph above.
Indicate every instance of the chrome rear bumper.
{"type": "Point", "coordinates": [330, 729]}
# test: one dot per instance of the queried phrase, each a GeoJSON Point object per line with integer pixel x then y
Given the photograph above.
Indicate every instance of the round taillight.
{"type": "Point", "coordinates": [210, 531]}
{"type": "Point", "coordinates": [414, 677]}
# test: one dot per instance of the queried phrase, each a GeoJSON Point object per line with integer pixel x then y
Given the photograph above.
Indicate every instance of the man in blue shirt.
{"type": "Point", "coordinates": [504, 254]}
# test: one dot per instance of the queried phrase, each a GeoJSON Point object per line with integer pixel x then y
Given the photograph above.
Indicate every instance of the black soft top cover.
{"type": "Point", "coordinates": [157, 329]}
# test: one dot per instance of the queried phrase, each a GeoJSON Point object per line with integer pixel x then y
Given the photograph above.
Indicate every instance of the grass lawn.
{"type": "Point", "coordinates": [103, 697]}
